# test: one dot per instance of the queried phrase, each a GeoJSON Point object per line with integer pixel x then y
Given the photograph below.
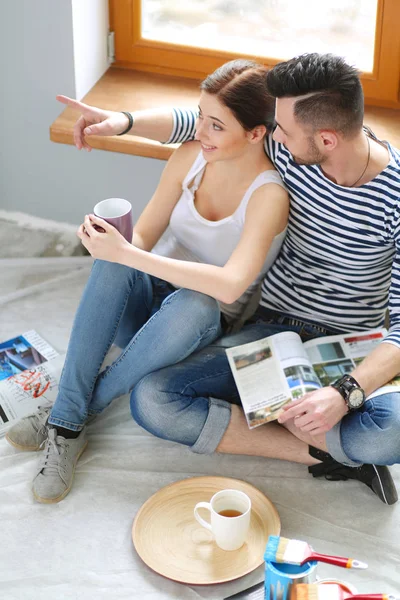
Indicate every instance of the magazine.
{"type": "Point", "coordinates": [275, 370]}
{"type": "Point", "coordinates": [30, 370]}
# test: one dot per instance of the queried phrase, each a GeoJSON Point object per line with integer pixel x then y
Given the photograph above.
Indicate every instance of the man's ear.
{"type": "Point", "coordinates": [256, 135]}
{"type": "Point", "coordinates": [328, 139]}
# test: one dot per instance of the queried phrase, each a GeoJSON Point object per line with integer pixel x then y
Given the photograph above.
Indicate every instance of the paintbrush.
{"type": "Point", "coordinates": [296, 552]}
{"type": "Point", "coordinates": [303, 591]}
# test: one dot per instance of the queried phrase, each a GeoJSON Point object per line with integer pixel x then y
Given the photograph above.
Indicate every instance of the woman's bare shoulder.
{"type": "Point", "coordinates": [188, 149]}
{"type": "Point", "coordinates": [183, 158]}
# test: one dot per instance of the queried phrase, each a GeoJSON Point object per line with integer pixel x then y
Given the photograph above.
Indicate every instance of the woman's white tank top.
{"type": "Point", "coordinates": [193, 238]}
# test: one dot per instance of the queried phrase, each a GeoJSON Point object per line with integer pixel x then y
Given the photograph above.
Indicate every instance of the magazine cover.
{"type": "Point", "coordinates": [30, 370]}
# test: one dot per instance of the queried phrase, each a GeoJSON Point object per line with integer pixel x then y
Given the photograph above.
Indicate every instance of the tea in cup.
{"type": "Point", "coordinates": [230, 518]}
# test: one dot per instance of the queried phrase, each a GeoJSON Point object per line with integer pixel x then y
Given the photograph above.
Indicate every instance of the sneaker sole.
{"type": "Point", "coordinates": [59, 498]}
{"type": "Point", "coordinates": [384, 488]}
{"type": "Point", "coordinates": [23, 448]}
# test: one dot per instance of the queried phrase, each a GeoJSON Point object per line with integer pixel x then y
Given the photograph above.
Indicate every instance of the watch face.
{"type": "Point", "coordinates": [356, 398]}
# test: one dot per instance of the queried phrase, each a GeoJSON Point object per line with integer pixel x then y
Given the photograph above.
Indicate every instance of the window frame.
{"type": "Point", "coordinates": [381, 87]}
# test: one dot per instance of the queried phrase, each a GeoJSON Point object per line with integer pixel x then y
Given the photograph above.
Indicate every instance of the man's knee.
{"type": "Point", "coordinates": [171, 415]}
{"type": "Point", "coordinates": [388, 435]}
{"type": "Point", "coordinates": [374, 436]}
{"type": "Point", "coordinates": [151, 405]}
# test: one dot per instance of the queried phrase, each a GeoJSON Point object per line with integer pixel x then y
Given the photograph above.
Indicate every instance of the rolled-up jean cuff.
{"type": "Point", "coordinates": [216, 424]}
{"type": "Point", "coordinates": [65, 424]}
{"type": "Point", "coordinates": [334, 444]}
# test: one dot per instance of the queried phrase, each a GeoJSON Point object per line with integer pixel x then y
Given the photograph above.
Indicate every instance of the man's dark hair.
{"type": "Point", "coordinates": [337, 102]}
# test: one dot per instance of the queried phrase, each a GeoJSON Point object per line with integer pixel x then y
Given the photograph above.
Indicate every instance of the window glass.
{"type": "Point", "coordinates": [276, 29]}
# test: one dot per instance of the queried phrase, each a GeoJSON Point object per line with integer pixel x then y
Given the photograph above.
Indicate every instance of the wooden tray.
{"type": "Point", "coordinates": [171, 542]}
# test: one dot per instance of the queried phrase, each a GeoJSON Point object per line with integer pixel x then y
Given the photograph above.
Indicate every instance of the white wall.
{"type": "Point", "coordinates": [39, 177]}
{"type": "Point", "coordinates": [90, 28]}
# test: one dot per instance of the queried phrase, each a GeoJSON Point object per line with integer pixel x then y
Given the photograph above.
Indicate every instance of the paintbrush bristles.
{"type": "Point", "coordinates": [280, 549]}
{"type": "Point", "coordinates": [304, 591]}
{"type": "Point", "coordinates": [272, 548]}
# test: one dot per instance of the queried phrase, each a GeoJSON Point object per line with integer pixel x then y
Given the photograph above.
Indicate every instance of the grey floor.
{"type": "Point", "coordinates": [82, 547]}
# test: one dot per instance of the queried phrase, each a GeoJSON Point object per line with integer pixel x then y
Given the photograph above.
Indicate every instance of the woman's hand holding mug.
{"type": "Point", "coordinates": [108, 232]}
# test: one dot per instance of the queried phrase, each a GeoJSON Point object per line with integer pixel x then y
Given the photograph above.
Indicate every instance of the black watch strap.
{"type": "Point", "coordinates": [347, 387]}
{"type": "Point", "coordinates": [344, 379]}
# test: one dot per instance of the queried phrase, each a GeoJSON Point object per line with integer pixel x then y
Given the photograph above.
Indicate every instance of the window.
{"type": "Point", "coordinates": [192, 38]}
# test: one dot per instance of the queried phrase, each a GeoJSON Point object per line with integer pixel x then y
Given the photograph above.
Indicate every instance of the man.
{"type": "Point", "coordinates": [336, 271]}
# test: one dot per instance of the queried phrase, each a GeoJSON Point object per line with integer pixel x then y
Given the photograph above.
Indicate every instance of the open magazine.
{"type": "Point", "coordinates": [30, 370]}
{"type": "Point", "coordinates": [271, 372]}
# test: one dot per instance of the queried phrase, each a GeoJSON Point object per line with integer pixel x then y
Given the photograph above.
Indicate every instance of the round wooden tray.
{"type": "Point", "coordinates": [171, 542]}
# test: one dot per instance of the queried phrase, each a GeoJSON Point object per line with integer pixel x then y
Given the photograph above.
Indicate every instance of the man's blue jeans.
{"type": "Point", "coordinates": [190, 403]}
{"type": "Point", "coordinates": [155, 325]}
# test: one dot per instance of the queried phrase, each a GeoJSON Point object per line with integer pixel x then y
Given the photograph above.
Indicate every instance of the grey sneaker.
{"type": "Point", "coordinates": [57, 467]}
{"type": "Point", "coordinates": [31, 431]}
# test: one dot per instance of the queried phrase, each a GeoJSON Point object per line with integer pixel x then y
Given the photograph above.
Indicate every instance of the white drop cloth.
{"type": "Point", "coordinates": [81, 548]}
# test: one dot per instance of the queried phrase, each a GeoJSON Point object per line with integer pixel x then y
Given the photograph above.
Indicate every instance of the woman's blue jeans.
{"type": "Point", "coordinates": [155, 325]}
{"type": "Point", "coordinates": [190, 403]}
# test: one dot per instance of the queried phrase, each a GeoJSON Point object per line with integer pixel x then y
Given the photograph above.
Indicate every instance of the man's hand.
{"type": "Point", "coordinates": [316, 412]}
{"type": "Point", "coordinates": [94, 121]}
{"type": "Point", "coordinates": [102, 240]}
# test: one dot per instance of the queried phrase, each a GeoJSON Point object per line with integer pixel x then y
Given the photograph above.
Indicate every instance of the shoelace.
{"type": "Point", "coordinates": [55, 447]}
{"type": "Point", "coordinates": [36, 417]}
{"type": "Point", "coordinates": [39, 418]}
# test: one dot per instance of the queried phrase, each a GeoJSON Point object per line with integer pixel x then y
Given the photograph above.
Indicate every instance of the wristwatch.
{"type": "Point", "coordinates": [352, 393]}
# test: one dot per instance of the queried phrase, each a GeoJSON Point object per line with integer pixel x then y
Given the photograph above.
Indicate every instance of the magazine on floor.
{"type": "Point", "coordinates": [275, 370]}
{"type": "Point", "coordinates": [30, 370]}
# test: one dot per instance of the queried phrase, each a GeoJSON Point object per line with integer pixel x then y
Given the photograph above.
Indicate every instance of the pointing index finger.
{"type": "Point", "coordinates": [72, 103]}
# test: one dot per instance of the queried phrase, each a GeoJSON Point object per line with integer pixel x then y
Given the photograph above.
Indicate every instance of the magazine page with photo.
{"type": "Point", "coordinates": [271, 372]}
{"type": "Point", "coordinates": [334, 356]}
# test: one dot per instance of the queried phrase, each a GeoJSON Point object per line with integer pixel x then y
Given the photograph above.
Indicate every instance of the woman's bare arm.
{"type": "Point", "coordinates": [266, 216]}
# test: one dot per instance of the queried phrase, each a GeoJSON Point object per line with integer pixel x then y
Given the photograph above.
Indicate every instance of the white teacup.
{"type": "Point", "coordinates": [230, 518]}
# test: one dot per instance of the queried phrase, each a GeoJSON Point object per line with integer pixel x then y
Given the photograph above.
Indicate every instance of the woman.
{"type": "Point", "coordinates": [199, 249]}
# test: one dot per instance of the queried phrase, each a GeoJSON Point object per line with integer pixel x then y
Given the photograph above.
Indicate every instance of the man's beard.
{"type": "Point", "coordinates": [314, 157]}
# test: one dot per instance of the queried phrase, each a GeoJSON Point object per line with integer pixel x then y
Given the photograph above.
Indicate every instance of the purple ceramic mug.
{"type": "Point", "coordinates": [117, 212]}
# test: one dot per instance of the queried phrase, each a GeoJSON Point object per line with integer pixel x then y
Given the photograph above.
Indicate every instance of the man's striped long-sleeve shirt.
{"type": "Point", "coordinates": [339, 265]}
